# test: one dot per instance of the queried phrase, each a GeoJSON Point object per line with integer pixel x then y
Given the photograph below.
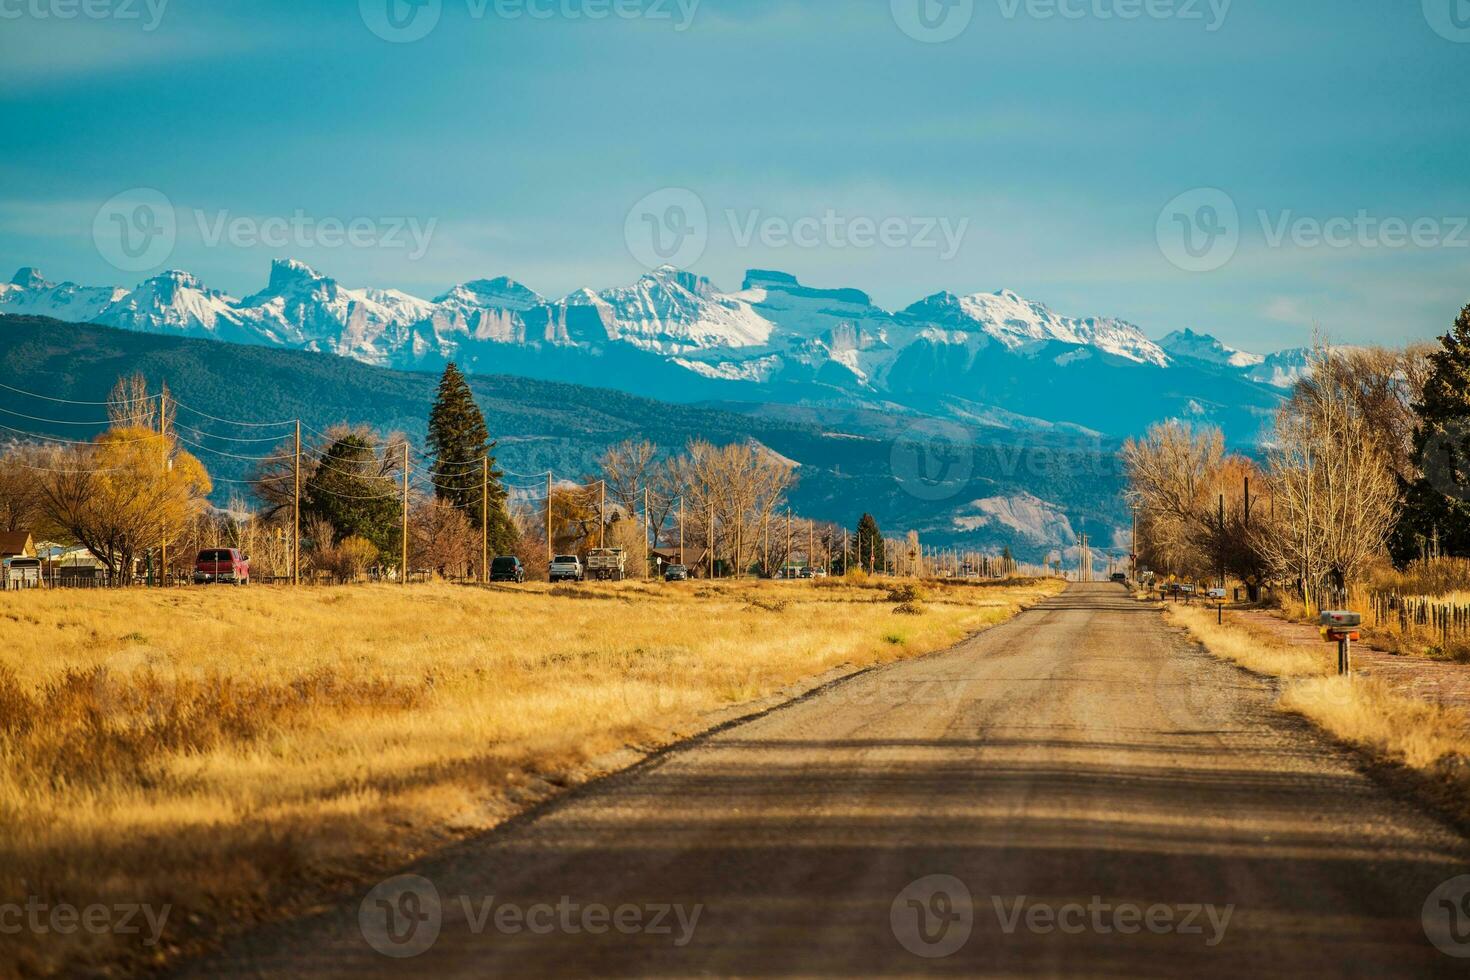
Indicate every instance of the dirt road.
{"type": "Point", "coordinates": [1099, 797]}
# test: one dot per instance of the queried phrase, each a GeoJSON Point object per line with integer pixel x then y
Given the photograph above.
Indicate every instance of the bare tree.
{"type": "Point", "coordinates": [1332, 481]}
{"type": "Point", "coordinates": [442, 538]}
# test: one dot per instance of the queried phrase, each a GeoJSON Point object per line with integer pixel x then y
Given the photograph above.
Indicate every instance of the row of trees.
{"type": "Point", "coordinates": [1367, 461]}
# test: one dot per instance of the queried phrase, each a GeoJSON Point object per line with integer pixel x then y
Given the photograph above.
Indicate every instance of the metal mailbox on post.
{"type": "Point", "coordinates": [1342, 627]}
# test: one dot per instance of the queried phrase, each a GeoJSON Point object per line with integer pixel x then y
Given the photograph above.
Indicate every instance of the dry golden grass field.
{"type": "Point", "coordinates": [1424, 736]}
{"type": "Point", "coordinates": [239, 754]}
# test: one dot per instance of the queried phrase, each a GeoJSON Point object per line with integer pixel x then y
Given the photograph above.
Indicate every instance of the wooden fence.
{"type": "Point", "coordinates": [1420, 614]}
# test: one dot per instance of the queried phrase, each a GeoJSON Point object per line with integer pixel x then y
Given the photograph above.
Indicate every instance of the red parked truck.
{"type": "Point", "coordinates": [222, 565]}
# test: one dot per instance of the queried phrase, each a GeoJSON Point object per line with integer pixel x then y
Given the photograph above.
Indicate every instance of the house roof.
{"type": "Point", "coordinates": [16, 543]}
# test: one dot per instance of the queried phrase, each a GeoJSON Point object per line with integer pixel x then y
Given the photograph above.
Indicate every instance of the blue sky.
{"type": "Point", "coordinates": [1054, 136]}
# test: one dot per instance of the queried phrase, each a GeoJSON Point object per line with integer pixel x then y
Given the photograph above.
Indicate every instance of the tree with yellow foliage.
{"type": "Point", "coordinates": [130, 490]}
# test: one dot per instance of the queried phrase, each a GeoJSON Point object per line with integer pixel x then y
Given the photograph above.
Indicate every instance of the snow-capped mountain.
{"type": "Point", "coordinates": [1203, 347]}
{"type": "Point", "coordinates": [983, 354]}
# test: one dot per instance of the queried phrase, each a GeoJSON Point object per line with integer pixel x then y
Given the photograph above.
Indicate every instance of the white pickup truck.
{"type": "Point", "coordinates": [607, 564]}
{"type": "Point", "coordinates": [567, 568]}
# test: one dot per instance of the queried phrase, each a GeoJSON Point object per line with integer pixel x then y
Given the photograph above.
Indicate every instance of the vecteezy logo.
{"type": "Point", "coordinates": [401, 917]}
{"type": "Point", "coordinates": [933, 916]}
{"type": "Point", "coordinates": [668, 227]}
{"type": "Point", "coordinates": [1446, 917]}
{"type": "Point", "coordinates": [401, 21]}
{"type": "Point", "coordinates": [1199, 230]}
{"type": "Point", "coordinates": [136, 230]}
{"type": "Point", "coordinates": [933, 21]}
{"type": "Point", "coordinates": [1445, 461]}
{"type": "Point", "coordinates": [932, 459]}
{"type": "Point", "coordinates": [1449, 18]}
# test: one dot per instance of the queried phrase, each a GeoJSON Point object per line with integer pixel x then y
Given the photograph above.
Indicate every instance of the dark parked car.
{"type": "Point", "coordinates": [222, 565]}
{"type": "Point", "coordinates": [676, 573]}
{"type": "Point", "coordinates": [1120, 577]}
{"type": "Point", "coordinates": [507, 568]}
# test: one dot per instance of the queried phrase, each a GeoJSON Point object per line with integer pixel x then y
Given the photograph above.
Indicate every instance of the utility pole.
{"type": "Point", "coordinates": [485, 520]}
{"type": "Point", "coordinates": [766, 545]}
{"type": "Point", "coordinates": [404, 556]}
{"type": "Point", "coordinates": [711, 536]}
{"type": "Point", "coordinates": [548, 518]}
{"type": "Point", "coordinates": [602, 515]}
{"type": "Point", "coordinates": [296, 514]}
{"type": "Point", "coordinates": [811, 532]}
{"type": "Point", "coordinates": [163, 469]}
{"type": "Point", "coordinates": [681, 530]}
{"type": "Point", "coordinates": [645, 533]}
{"type": "Point", "coordinates": [787, 562]}
{"type": "Point", "coordinates": [1222, 541]}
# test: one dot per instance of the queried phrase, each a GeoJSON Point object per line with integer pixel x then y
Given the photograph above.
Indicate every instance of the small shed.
{"type": "Point", "coordinates": [17, 544]}
{"type": "Point", "coordinates": [22, 573]}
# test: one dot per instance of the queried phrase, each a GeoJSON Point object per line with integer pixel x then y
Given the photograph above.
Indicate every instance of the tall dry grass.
{"type": "Point", "coordinates": [237, 754]}
{"type": "Point", "coordinates": [1428, 737]}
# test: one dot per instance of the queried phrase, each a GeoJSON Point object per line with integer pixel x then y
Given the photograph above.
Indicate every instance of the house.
{"type": "Point", "coordinates": [17, 544]}
{"type": "Point", "coordinates": [694, 558]}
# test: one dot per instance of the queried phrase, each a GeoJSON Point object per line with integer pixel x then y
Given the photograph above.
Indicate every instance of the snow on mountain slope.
{"type": "Point", "coordinates": [31, 294]}
{"type": "Point", "coordinates": [176, 301]}
{"type": "Point", "coordinates": [1283, 368]}
{"type": "Point", "coordinates": [300, 307]}
{"type": "Point", "coordinates": [673, 312]}
{"type": "Point", "coordinates": [1017, 323]}
{"type": "Point", "coordinates": [1203, 347]}
{"type": "Point", "coordinates": [773, 330]}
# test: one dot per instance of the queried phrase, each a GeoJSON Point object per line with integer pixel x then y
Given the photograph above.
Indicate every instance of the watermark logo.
{"type": "Point", "coordinates": [401, 21]}
{"type": "Point", "coordinates": [1449, 18]}
{"type": "Point", "coordinates": [1446, 917]}
{"type": "Point", "coordinates": [149, 12]}
{"type": "Point", "coordinates": [1211, 13]}
{"type": "Point", "coordinates": [42, 918]}
{"type": "Point", "coordinates": [932, 459]}
{"type": "Point", "coordinates": [404, 916]}
{"type": "Point", "coordinates": [1364, 230]}
{"type": "Point", "coordinates": [1199, 231]}
{"type": "Point", "coordinates": [303, 231]}
{"type": "Point", "coordinates": [405, 21]}
{"type": "Point", "coordinates": [933, 916]}
{"type": "Point", "coordinates": [668, 227]}
{"type": "Point", "coordinates": [401, 917]}
{"type": "Point", "coordinates": [834, 230]}
{"type": "Point", "coordinates": [933, 21]}
{"type": "Point", "coordinates": [1445, 460]}
{"type": "Point", "coordinates": [136, 230]}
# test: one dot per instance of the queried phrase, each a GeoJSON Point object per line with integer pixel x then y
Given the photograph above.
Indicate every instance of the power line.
{"type": "Point", "coordinates": [62, 401]}
{"type": "Point", "coordinates": [242, 424]}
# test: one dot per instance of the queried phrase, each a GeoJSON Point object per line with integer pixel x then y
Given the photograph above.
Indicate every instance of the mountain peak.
{"type": "Point", "coordinates": [1203, 347]}
{"type": "Point", "coordinates": [28, 277]}
{"type": "Point", "coordinates": [666, 275]}
{"type": "Point", "coordinates": [285, 272]}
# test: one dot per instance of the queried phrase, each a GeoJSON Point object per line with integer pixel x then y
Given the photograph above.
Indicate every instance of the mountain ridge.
{"type": "Point", "coordinates": [775, 338]}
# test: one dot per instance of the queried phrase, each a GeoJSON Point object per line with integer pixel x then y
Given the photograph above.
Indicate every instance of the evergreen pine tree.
{"type": "Point", "coordinates": [869, 547]}
{"type": "Point", "coordinates": [1437, 505]}
{"type": "Point", "coordinates": [458, 441]}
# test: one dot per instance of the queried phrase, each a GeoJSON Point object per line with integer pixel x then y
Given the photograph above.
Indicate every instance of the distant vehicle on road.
{"type": "Point", "coordinates": [567, 568]}
{"type": "Point", "coordinates": [1119, 577]}
{"type": "Point", "coordinates": [221, 565]}
{"type": "Point", "coordinates": [676, 573]}
{"type": "Point", "coordinates": [507, 568]}
{"type": "Point", "coordinates": [607, 564]}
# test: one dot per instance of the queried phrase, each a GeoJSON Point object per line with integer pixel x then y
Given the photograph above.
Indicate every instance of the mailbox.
{"type": "Point", "coordinates": [1341, 627]}
{"type": "Point", "coordinates": [1218, 594]}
